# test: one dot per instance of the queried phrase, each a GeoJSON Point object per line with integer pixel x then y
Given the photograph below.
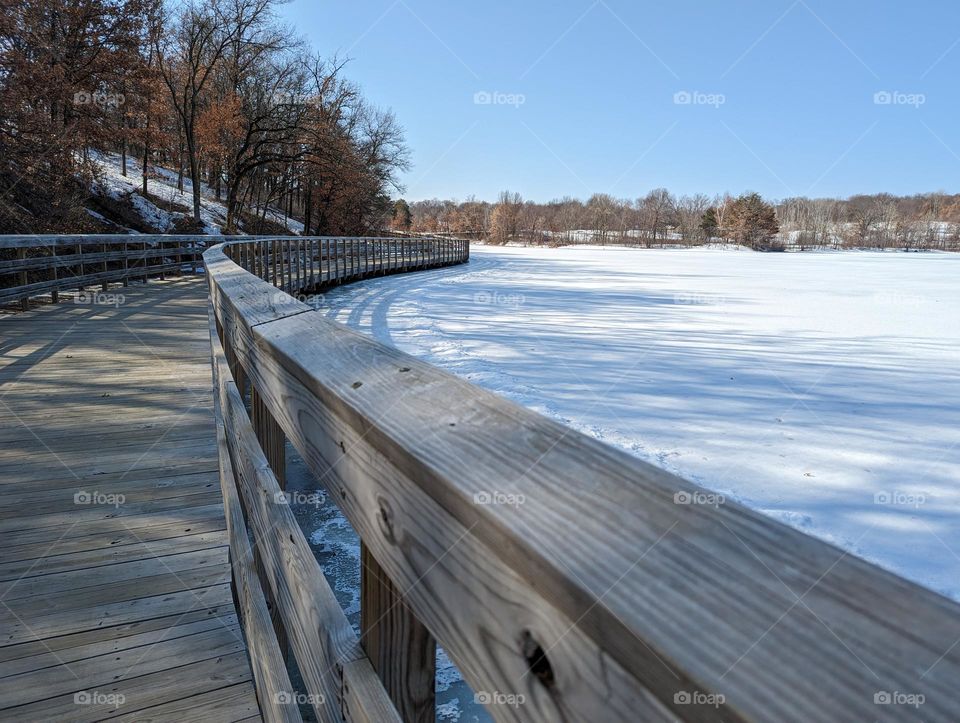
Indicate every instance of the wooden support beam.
{"type": "Point", "coordinates": [401, 649]}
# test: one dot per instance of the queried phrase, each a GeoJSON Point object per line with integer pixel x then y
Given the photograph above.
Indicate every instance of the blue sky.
{"type": "Point", "coordinates": [777, 96]}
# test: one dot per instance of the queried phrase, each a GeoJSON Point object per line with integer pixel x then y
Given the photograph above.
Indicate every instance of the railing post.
{"type": "Point", "coordinates": [82, 273]}
{"type": "Point", "coordinates": [126, 280]}
{"type": "Point", "coordinates": [273, 252]}
{"type": "Point", "coordinates": [104, 285]}
{"type": "Point", "coordinates": [298, 284]}
{"type": "Point", "coordinates": [401, 649]}
{"type": "Point", "coordinates": [25, 301]}
{"type": "Point", "coordinates": [55, 294]}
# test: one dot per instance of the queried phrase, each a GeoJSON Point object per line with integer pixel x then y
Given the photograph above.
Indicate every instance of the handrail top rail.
{"type": "Point", "coordinates": [15, 241]}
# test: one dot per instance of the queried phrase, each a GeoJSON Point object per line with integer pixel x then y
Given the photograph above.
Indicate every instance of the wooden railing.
{"type": "Point", "coordinates": [33, 266]}
{"type": "Point", "coordinates": [567, 580]}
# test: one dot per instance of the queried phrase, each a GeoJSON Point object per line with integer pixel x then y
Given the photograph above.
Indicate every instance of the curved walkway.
{"type": "Point", "coordinates": [115, 597]}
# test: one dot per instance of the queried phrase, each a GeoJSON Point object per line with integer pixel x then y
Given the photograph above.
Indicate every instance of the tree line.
{"type": "Point", "coordinates": [220, 91]}
{"type": "Point", "coordinates": [924, 221]}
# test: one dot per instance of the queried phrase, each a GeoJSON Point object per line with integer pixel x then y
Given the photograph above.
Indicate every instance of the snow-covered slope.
{"type": "Point", "coordinates": [821, 389]}
{"type": "Point", "coordinates": [162, 185]}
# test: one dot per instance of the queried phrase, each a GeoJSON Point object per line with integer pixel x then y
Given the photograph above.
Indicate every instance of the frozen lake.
{"type": "Point", "coordinates": [822, 389]}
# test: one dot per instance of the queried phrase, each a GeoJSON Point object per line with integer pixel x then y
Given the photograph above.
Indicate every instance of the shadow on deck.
{"type": "Point", "coordinates": [115, 596]}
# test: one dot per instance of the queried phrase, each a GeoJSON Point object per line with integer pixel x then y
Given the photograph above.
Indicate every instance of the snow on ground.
{"type": "Point", "coordinates": [162, 184]}
{"type": "Point", "coordinates": [821, 389]}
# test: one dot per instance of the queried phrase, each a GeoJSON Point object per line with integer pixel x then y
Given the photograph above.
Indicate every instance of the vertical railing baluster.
{"type": "Point", "coordinates": [104, 285]}
{"type": "Point", "coordinates": [272, 245]}
{"type": "Point", "coordinates": [22, 257]}
{"type": "Point", "coordinates": [82, 271]}
{"type": "Point", "coordinates": [55, 294]}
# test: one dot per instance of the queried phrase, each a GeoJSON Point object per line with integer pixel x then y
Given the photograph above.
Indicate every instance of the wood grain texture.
{"type": "Point", "coordinates": [126, 596]}
{"type": "Point", "coordinates": [591, 592]}
{"type": "Point", "coordinates": [274, 690]}
{"type": "Point", "coordinates": [401, 649]}
{"type": "Point", "coordinates": [319, 634]}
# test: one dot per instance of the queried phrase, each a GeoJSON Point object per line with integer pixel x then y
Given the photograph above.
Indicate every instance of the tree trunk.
{"type": "Point", "coordinates": [146, 150]}
{"type": "Point", "coordinates": [233, 192]}
{"type": "Point", "coordinates": [194, 177]}
{"type": "Point", "coordinates": [308, 208]}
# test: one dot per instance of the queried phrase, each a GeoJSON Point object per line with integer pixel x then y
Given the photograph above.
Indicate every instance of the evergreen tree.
{"type": "Point", "coordinates": [401, 218]}
{"type": "Point", "coordinates": [753, 223]}
{"type": "Point", "coordinates": [709, 224]}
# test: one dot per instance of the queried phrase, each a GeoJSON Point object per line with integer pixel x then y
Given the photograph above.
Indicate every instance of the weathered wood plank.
{"type": "Point", "coordinates": [107, 669]}
{"type": "Point", "coordinates": [401, 649]}
{"type": "Point", "coordinates": [141, 692]}
{"type": "Point", "coordinates": [79, 643]}
{"type": "Point", "coordinates": [70, 582]}
{"type": "Point", "coordinates": [132, 597]}
{"type": "Point", "coordinates": [169, 630]}
{"type": "Point", "coordinates": [275, 692]}
{"type": "Point", "coordinates": [230, 704]}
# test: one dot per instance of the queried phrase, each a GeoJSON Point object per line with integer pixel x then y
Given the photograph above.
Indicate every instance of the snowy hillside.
{"type": "Point", "coordinates": [166, 206]}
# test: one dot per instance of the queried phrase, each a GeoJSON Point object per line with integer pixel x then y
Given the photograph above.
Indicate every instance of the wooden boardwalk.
{"type": "Point", "coordinates": [115, 597]}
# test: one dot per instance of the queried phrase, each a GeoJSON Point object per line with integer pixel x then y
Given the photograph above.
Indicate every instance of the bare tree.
{"type": "Point", "coordinates": [187, 58]}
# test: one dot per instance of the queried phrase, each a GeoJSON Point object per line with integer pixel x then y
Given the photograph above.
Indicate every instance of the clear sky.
{"type": "Point", "coordinates": [784, 97]}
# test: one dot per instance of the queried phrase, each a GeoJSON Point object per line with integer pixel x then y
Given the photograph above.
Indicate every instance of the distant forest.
{"type": "Point", "coordinates": [923, 221]}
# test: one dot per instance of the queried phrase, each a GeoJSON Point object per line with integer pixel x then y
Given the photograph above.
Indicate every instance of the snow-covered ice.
{"type": "Point", "coordinates": [821, 389]}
